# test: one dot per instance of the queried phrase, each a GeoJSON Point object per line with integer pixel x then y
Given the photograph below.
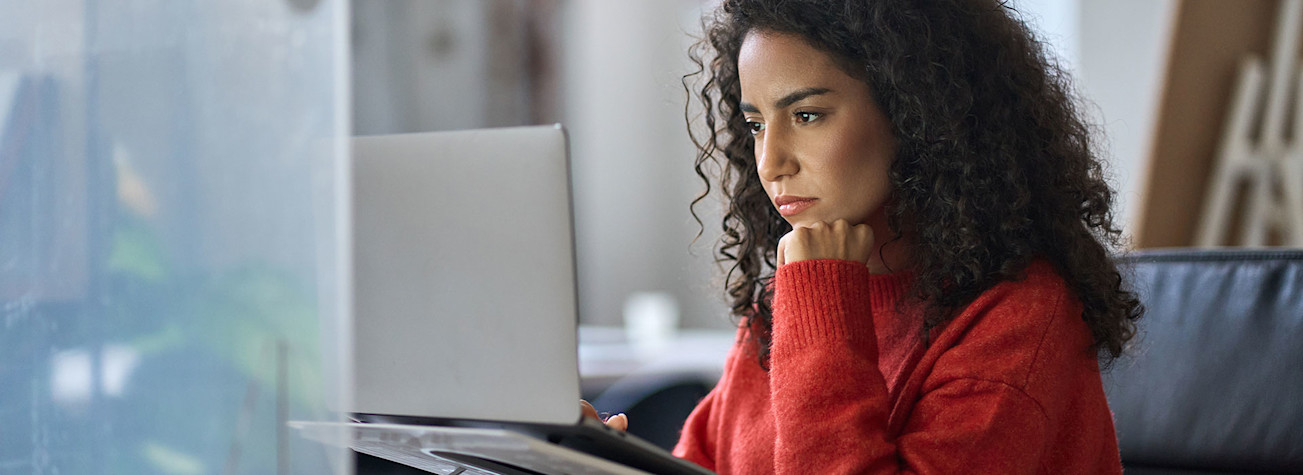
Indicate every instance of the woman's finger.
{"type": "Point", "coordinates": [782, 248]}
{"type": "Point", "coordinates": [588, 409]}
{"type": "Point", "coordinates": [618, 422]}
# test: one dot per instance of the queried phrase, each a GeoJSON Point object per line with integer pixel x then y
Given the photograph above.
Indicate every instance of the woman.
{"type": "Point", "coordinates": [918, 179]}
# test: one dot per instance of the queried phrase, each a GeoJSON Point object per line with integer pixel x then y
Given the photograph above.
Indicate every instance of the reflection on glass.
{"type": "Point", "coordinates": [170, 265]}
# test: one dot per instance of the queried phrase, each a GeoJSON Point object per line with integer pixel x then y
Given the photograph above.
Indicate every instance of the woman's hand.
{"type": "Point", "coordinates": [618, 422]}
{"type": "Point", "coordinates": [838, 240]}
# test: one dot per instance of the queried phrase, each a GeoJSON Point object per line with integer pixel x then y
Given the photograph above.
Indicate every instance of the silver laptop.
{"type": "Point", "coordinates": [465, 295]}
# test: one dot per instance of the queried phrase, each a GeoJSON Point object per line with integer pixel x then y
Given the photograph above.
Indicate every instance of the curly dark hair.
{"type": "Point", "coordinates": [995, 166]}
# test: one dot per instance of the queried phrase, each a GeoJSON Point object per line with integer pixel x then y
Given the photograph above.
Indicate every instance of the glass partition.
{"type": "Point", "coordinates": [172, 235]}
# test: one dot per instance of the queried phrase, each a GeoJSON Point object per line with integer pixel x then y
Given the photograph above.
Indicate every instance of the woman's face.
{"type": "Point", "coordinates": [822, 146]}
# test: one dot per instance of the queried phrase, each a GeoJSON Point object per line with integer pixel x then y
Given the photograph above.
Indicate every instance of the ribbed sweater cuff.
{"type": "Point", "coordinates": [825, 299]}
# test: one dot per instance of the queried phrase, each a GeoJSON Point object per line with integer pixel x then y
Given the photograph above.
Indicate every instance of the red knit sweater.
{"type": "Point", "coordinates": [1009, 386]}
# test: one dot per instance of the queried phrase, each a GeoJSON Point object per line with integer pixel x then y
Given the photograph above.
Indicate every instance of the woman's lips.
{"type": "Point", "coordinates": [793, 205]}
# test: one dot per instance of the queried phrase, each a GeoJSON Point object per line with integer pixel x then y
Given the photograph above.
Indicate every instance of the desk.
{"type": "Point", "coordinates": [606, 355]}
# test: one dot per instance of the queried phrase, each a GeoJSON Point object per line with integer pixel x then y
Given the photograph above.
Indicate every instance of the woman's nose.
{"type": "Point", "coordinates": [774, 159]}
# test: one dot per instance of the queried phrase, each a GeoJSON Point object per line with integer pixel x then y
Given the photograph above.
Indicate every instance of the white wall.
{"type": "Point", "coordinates": [1124, 49]}
{"type": "Point", "coordinates": [421, 65]}
{"type": "Point", "coordinates": [1116, 51]}
{"type": "Point", "coordinates": [632, 159]}
{"type": "Point", "coordinates": [1056, 21]}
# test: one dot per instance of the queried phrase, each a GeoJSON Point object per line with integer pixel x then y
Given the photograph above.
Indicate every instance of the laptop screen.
{"type": "Point", "coordinates": [464, 283]}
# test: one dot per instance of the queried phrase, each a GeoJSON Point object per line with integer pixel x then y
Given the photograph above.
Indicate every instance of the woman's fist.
{"type": "Point", "coordinates": [836, 240]}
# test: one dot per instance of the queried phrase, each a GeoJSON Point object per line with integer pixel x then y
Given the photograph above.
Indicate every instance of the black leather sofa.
{"type": "Point", "coordinates": [1214, 382]}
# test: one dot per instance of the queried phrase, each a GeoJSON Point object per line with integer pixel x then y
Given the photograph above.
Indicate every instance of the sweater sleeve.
{"type": "Point", "coordinates": [695, 442]}
{"type": "Point", "coordinates": [830, 401]}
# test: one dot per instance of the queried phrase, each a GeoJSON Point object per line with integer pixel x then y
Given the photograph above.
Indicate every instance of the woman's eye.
{"type": "Point", "coordinates": [807, 116]}
{"type": "Point", "coordinates": [755, 127]}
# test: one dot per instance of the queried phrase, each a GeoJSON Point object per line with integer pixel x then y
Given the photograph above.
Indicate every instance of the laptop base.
{"type": "Point", "coordinates": [473, 451]}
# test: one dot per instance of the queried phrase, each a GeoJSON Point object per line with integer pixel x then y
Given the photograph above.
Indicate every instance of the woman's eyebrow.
{"type": "Point", "coordinates": [787, 100]}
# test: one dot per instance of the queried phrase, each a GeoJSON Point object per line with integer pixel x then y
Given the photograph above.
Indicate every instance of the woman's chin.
{"type": "Point", "coordinates": [802, 220]}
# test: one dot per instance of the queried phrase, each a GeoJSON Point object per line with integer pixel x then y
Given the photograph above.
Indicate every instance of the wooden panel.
{"type": "Point", "coordinates": [1212, 38]}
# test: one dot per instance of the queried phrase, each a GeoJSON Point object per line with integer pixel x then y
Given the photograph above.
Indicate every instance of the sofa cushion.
{"type": "Point", "coordinates": [1214, 380]}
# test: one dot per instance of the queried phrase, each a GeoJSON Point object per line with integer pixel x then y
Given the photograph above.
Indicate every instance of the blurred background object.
{"type": "Point", "coordinates": [651, 320]}
{"type": "Point", "coordinates": [1254, 191]}
{"type": "Point", "coordinates": [171, 283]}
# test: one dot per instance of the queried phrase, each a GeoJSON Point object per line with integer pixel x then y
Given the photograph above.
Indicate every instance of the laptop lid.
{"type": "Point", "coordinates": [464, 280]}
